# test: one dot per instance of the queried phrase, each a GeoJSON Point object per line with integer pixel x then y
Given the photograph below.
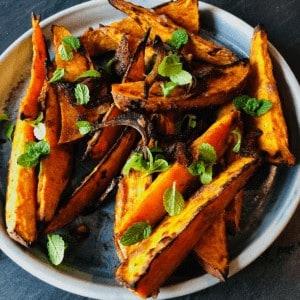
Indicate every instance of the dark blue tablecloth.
{"type": "Point", "coordinates": [276, 273]}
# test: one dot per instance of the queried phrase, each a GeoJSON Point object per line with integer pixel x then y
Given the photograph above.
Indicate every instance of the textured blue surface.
{"type": "Point", "coordinates": [276, 274]}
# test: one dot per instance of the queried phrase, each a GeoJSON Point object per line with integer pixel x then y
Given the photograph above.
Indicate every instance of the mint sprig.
{"type": "Point", "coordinates": [203, 167]}
{"type": "Point", "coordinates": [179, 38]}
{"type": "Point", "coordinates": [237, 146]}
{"type": "Point", "coordinates": [173, 200]}
{"type": "Point", "coordinates": [84, 127]}
{"type": "Point", "coordinates": [34, 151]}
{"type": "Point", "coordinates": [252, 106]}
{"type": "Point", "coordinates": [68, 45]}
{"type": "Point", "coordinates": [89, 73]}
{"type": "Point", "coordinates": [136, 233]}
{"type": "Point", "coordinates": [82, 94]}
{"type": "Point", "coordinates": [56, 247]}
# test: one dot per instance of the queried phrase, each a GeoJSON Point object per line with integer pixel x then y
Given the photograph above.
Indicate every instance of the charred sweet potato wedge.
{"type": "Point", "coordinates": [96, 182]}
{"type": "Point", "coordinates": [55, 169]}
{"type": "Point", "coordinates": [211, 249]}
{"type": "Point", "coordinates": [164, 27]}
{"type": "Point", "coordinates": [147, 268]}
{"type": "Point", "coordinates": [30, 108]}
{"type": "Point", "coordinates": [274, 138]}
{"type": "Point", "coordinates": [219, 90]}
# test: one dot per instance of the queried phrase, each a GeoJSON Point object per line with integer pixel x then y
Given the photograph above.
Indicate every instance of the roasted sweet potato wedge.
{"type": "Point", "coordinates": [211, 250]}
{"type": "Point", "coordinates": [188, 17]}
{"type": "Point", "coordinates": [219, 90]}
{"type": "Point", "coordinates": [147, 268]}
{"type": "Point", "coordinates": [55, 169]}
{"type": "Point", "coordinates": [96, 182]}
{"type": "Point", "coordinates": [30, 108]}
{"type": "Point", "coordinates": [20, 205]}
{"type": "Point", "coordinates": [150, 208]}
{"type": "Point", "coordinates": [164, 27]}
{"type": "Point", "coordinates": [274, 138]}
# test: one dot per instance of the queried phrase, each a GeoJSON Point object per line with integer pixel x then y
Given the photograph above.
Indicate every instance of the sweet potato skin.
{"type": "Point", "coordinates": [274, 138]}
{"type": "Point", "coordinates": [159, 255]}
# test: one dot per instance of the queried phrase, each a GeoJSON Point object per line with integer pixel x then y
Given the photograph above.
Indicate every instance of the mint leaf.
{"type": "Point", "coordinates": [181, 78]}
{"type": "Point", "coordinates": [57, 75]}
{"type": "Point", "coordinates": [136, 233]}
{"type": "Point", "coordinates": [89, 73]}
{"type": "Point", "coordinates": [168, 87]}
{"type": "Point", "coordinates": [179, 38]}
{"type": "Point", "coordinates": [68, 45]}
{"type": "Point", "coordinates": [170, 65]}
{"type": "Point", "coordinates": [4, 117]}
{"type": "Point", "coordinates": [34, 151]}
{"type": "Point", "coordinates": [173, 201]}
{"type": "Point", "coordinates": [207, 153]}
{"type": "Point", "coordinates": [82, 94]}
{"type": "Point", "coordinates": [252, 106]}
{"type": "Point", "coordinates": [237, 146]}
{"type": "Point", "coordinates": [264, 106]}
{"type": "Point", "coordinates": [56, 248]}
{"type": "Point", "coordinates": [84, 127]}
{"type": "Point", "coordinates": [134, 162]}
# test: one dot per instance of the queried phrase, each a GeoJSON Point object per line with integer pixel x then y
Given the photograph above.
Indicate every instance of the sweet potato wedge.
{"type": "Point", "coordinates": [211, 249]}
{"type": "Point", "coordinates": [188, 17]}
{"type": "Point", "coordinates": [274, 138]}
{"type": "Point", "coordinates": [164, 27]}
{"type": "Point", "coordinates": [219, 90]}
{"type": "Point", "coordinates": [30, 108]}
{"type": "Point", "coordinates": [147, 268]}
{"type": "Point", "coordinates": [55, 169]}
{"type": "Point", "coordinates": [20, 205]}
{"type": "Point", "coordinates": [150, 208]}
{"type": "Point", "coordinates": [96, 182]}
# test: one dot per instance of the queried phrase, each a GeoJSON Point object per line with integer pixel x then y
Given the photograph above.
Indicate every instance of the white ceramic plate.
{"type": "Point", "coordinates": [272, 196]}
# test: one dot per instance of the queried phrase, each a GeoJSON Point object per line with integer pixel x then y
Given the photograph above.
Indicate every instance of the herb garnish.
{"type": "Point", "coordinates": [57, 75]}
{"type": "Point", "coordinates": [179, 38]}
{"type": "Point", "coordinates": [67, 46]}
{"type": "Point", "coordinates": [84, 127]}
{"type": "Point", "coordinates": [237, 146]}
{"type": "Point", "coordinates": [173, 200]}
{"type": "Point", "coordinates": [152, 165]}
{"type": "Point", "coordinates": [9, 132]}
{"type": "Point", "coordinates": [203, 167]}
{"type": "Point", "coordinates": [252, 106]}
{"type": "Point", "coordinates": [82, 94]}
{"type": "Point", "coordinates": [56, 247]}
{"type": "Point", "coordinates": [4, 117]}
{"type": "Point", "coordinates": [34, 151]}
{"type": "Point", "coordinates": [89, 73]}
{"type": "Point", "coordinates": [136, 233]}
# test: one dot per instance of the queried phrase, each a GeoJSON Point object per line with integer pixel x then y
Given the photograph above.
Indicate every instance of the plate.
{"type": "Point", "coordinates": [272, 196]}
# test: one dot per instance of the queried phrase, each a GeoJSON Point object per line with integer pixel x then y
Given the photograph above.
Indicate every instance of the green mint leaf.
{"type": "Point", "coordinates": [134, 162]}
{"type": "Point", "coordinates": [160, 165]}
{"type": "Point", "coordinates": [192, 122]}
{"type": "Point", "coordinates": [72, 42]}
{"type": "Point", "coordinates": [89, 73]}
{"type": "Point", "coordinates": [9, 132]}
{"type": "Point", "coordinates": [206, 176]}
{"type": "Point", "coordinates": [197, 168]}
{"type": "Point", "coordinates": [136, 233]}
{"type": "Point", "coordinates": [4, 117]}
{"type": "Point", "coordinates": [109, 65]}
{"type": "Point", "coordinates": [65, 52]}
{"type": "Point", "coordinates": [84, 127]}
{"type": "Point", "coordinates": [82, 94]}
{"type": "Point", "coordinates": [179, 38]}
{"type": "Point", "coordinates": [181, 78]}
{"type": "Point", "coordinates": [207, 153]}
{"type": "Point", "coordinates": [57, 75]}
{"type": "Point", "coordinates": [56, 248]}
{"type": "Point", "coordinates": [34, 151]}
{"type": "Point", "coordinates": [167, 88]}
{"type": "Point", "coordinates": [173, 201]}
{"type": "Point", "coordinates": [68, 45]}
{"type": "Point", "coordinates": [237, 146]}
{"type": "Point", "coordinates": [252, 106]}
{"type": "Point", "coordinates": [264, 106]}
{"type": "Point", "coordinates": [170, 65]}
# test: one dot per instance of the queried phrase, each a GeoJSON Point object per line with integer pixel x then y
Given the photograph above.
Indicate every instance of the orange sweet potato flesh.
{"type": "Point", "coordinates": [56, 168]}
{"type": "Point", "coordinates": [211, 249]}
{"type": "Point", "coordinates": [20, 205]}
{"type": "Point", "coordinates": [96, 182]}
{"type": "Point", "coordinates": [156, 258]}
{"type": "Point", "coordinates": [30, 107]}
{"type": "Point", "coordinates": [150, 208]}
{"type": "Point", "coordinates": [274, 138]}
{"type": "Point", "coordinates": [164, 27]}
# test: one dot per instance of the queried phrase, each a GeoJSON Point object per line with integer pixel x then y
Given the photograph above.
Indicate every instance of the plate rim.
{"type": "Point", "coordinates": [57, 278]}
